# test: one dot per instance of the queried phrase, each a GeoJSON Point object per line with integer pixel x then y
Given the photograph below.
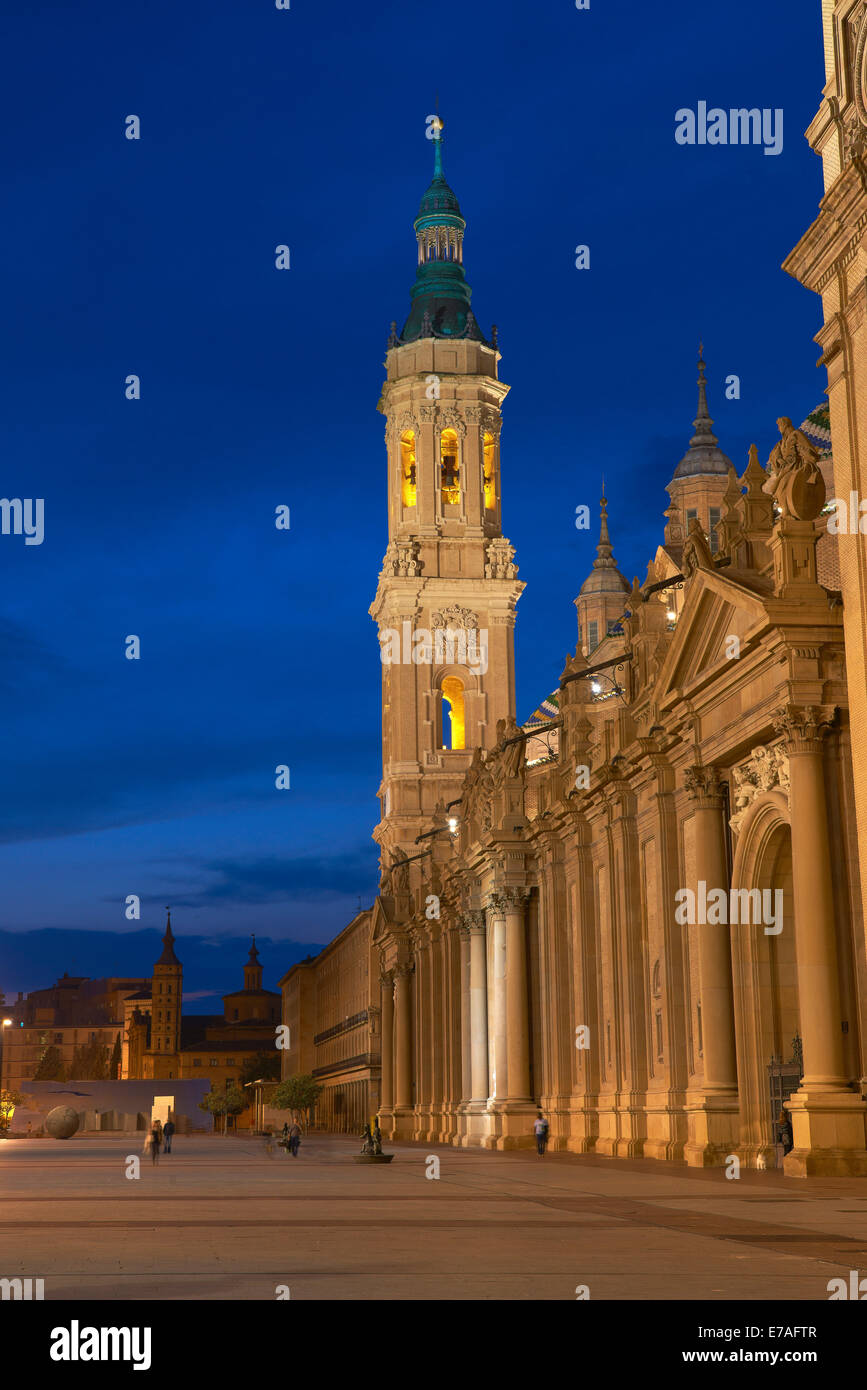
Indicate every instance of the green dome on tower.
{"type": "Point", "coordinates": [440, 295]}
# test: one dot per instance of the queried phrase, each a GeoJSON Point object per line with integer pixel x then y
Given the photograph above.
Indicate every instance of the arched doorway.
{"type": "Point", "coordinates": [764, 966]}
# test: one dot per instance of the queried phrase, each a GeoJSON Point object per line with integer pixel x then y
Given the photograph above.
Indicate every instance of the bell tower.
{"type": "Point", "coordinates": [166, 997]}
{"type": "Point", "coordinates": [445, 602]}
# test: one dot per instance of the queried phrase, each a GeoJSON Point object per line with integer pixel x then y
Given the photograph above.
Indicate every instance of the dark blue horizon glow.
{"type": "Point", "coordinates": [307, 127]}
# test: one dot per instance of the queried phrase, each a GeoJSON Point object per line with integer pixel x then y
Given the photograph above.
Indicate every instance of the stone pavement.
{"type": "Point", "coordinates": [219, 1219]}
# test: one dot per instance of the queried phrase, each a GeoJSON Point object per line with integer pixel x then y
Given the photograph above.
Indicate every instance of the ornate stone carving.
{"type": "Point", "coordinates": [472, 921]}
{"type": "Point", "coordinates": [450, 419]}
{"type": "Point", "coordinates": [804, 726]}
{"type": "Point", "coordinates": [401, 559]}
{"type": "Point", "coordinates": [499, 556]}
{"type": "Point", "coordinates": [427, 413]}
{"type": "Point", "coordinates": [765, 769]}
{"type": "Point", "coordinates": [407, 421]}
{"type": "Point", "coordinates": [455, 617]}
{"type": "Point", "coordinates": [704, 784]}
{"type": "Point", "coordinates": [696, 551]}
{"type": "Point", "coordinates": [515, 897]}
{"type": "Point", "coordinates": [795, 480]}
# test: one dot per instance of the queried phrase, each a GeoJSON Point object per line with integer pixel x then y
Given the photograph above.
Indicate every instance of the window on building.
{"type": "Point", "coordinates": [592, 636]}
{"type": "Point", "coordinates": [168, 989]}
{"type": "Point", "coordinates": [714, 538]}
{"type": "Point", "coordinates": [230, 1062]}
{"type": "Point", "coordinates": [58, 1037]}
{"type": "Point", "coordinates": [197, 1061]}
{"type": "Point", "coordinates": [488, 472]}
{"type": "Point", "coordinates": [235, 1011]}
{"type": "Point", "coordinates": [691, 515]}
{"type": "Point", "coordinates": [700, 1038]}
{"type": "Point", "coordinates": [213, 1061]}
{"type": "Point", "coordinates": [450, 483]}
{"type": "Point", "coordinates": [659, 1035]}
{"type": "Point", "coordinates": [453, 719]}
{"type": "Point", "coordinates": [408, 468]}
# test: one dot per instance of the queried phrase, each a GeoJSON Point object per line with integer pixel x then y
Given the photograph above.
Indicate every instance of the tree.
{"type": "Point", "coordinates": [50, 1066]}
{"type": "Point", "coordinates": [215, 1104]}
{"type": "Point", "coordinates": [297, 1093]}
{"type": "Point", "coordinates": [114, 1066]}
{"type": "Point", "coordinates": [265, 1066]}
{"type": "Point", "coordinates": [8, 1101]}
{"type": "Point", "coordinates": [231, 1101]}
{"type": "Point", "coordinates": [235, 1100]}
{"type": "Point", "coordinates": [89, 1062]}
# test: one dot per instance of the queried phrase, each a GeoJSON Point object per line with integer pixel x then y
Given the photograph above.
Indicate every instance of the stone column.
{"type": "Point", "coordinates": [827, 1117]}
{"type": "Point", "coordinates": [479, 1085]}
{"type": "Point", "coordinates": [438, 1034]}
{"type": "Point", "coordinates": [517, 1003]}
{"type": "Point", "coordinates": [424, 1042]}
{"type": "Point", "coordinates": [386, 985]}
{"type": "Point", "coordinates": [402, 1038]}
{"type": "Point", "coordinates": [496, 980]}
{"type": "Point", "coordinates": [713, 1109]}
{"type": "Point", "coordinates": [466, 1015]}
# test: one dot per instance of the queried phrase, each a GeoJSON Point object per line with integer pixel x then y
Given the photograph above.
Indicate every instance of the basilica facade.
{"type": "Point", "coordinates": [641, 910]}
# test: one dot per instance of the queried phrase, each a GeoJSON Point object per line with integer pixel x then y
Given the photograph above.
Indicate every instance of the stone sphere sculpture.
{"type": "Point", "coordinates": [61, 1122]}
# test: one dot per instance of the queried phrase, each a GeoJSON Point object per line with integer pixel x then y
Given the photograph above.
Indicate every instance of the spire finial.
{"type": "Point", "coordinates": [702, 423]}
{"type": "Point", "coordinates": [604, 550]}
{"type": "Point", "coordinates": [438, 145]}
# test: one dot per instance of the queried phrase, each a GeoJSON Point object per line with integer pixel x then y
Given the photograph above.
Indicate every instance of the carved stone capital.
{"type": "Point", "coordinates": [516, 897]}
{"type": "Point", "coordinates": [471, 922]}
{"type": "Point", "coordinates": [803, 727]}
{"type": "Point", "coordinates": [497, 903]}
{"type": "Point", "coordinates": [704, 786]}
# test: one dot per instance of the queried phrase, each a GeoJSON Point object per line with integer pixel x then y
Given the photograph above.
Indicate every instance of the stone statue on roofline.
{"type": "Point", "coordinates": [794, 478]}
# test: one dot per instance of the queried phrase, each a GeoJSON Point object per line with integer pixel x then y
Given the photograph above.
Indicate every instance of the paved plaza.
{"type": "Point", "coordinates": [220, 1219]}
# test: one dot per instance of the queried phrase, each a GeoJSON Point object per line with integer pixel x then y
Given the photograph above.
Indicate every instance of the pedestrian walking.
{"type": "Point", "coordinates": [286, 1130]}
{"type": "Point", "coordinates": [168, 1131]}
{"type": "Point", "coordinates": [785, 1140]}
{"type": "Point", "coordinates": [156, 1141]}
{"type": "Point", "coordinates": [540, 1129]}
{"type": "Point", "coordinates": [294, 1139]}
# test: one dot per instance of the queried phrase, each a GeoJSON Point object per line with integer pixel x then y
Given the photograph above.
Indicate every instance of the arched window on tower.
{"type": "Point", "coordinates": [450, 481]}
{"type": "Point", "coordinates": [488, 470]}
{"type": "Point", "coordinates": [408, 468]}
{"type": "Point", "coordinates": [453, 719]}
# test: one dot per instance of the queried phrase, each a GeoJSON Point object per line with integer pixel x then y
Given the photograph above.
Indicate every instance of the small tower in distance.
{"type": "Point", "coordinates": [600, 601]}
{"type": "Point", "coordinates": [167, 991]}
{"type": "Point", "coordinates": [253, 969]}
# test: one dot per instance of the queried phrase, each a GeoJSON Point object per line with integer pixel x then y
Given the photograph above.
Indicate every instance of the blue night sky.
{"type": "Point", "coordinates": [259, 388]}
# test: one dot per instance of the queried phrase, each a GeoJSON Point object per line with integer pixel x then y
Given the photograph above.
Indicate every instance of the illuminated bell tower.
{"type": "Point", "coordinates": [445, 602]}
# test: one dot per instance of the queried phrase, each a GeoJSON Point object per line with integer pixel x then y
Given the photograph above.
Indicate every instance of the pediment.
{"type": "Point", "coordinates": [716, 610]}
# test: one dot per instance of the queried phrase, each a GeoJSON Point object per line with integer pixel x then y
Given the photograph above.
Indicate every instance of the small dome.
{"type": "Point", "coordinates": [439, 199]}
{"type": "Point", "coordinates": [604, 581]}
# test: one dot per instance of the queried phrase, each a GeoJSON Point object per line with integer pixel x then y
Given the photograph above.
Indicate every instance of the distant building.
{"type": "Point", "coordinates": [145, 1014]}
{"type": "Point", "coordinates": [334, 1032]}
